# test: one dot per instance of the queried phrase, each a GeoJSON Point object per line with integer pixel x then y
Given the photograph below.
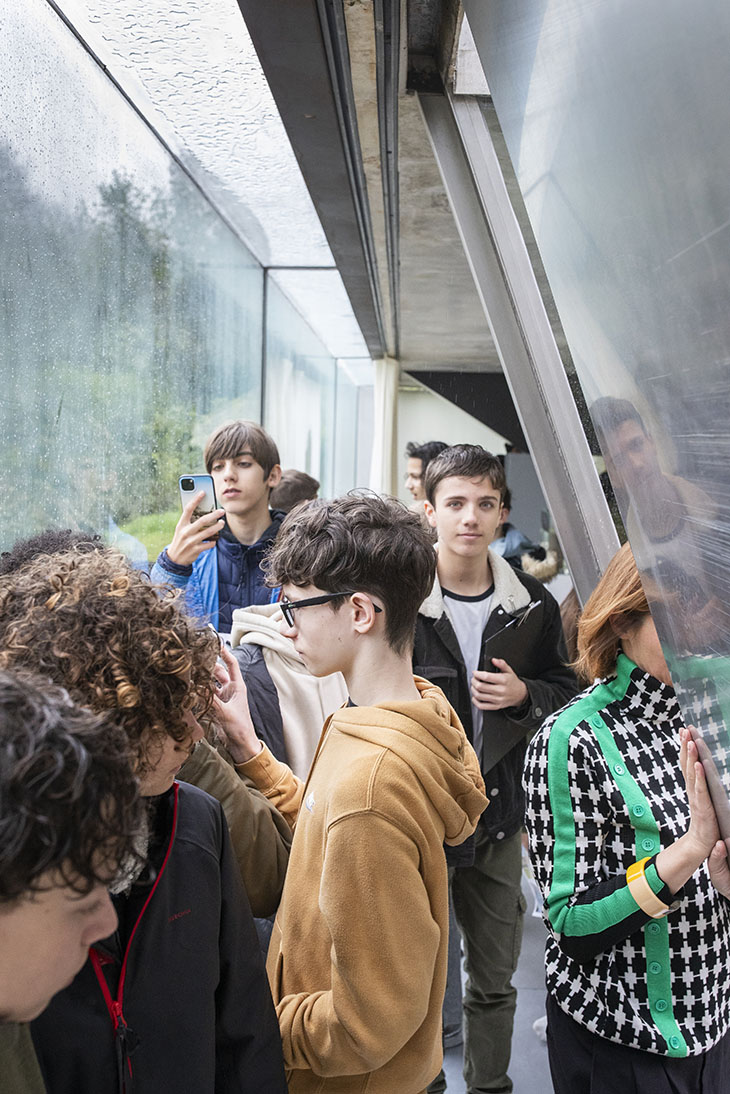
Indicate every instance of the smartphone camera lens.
{"type": "Point", "coordinates": [187, 484]}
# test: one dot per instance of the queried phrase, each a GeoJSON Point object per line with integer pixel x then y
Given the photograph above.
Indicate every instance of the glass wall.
{"type": "Point", "coordinates": [131, 316]}
{"type": "Point", "coordinates": [300, 390]}
{"type": "Point", "coordinates": [616, 119]}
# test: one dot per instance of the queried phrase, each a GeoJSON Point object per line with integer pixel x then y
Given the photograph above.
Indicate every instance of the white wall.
{"type": "Point", "coordinates": [425, 416]}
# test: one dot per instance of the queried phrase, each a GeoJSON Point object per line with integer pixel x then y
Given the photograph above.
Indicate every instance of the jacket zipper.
{"type": "Point", "coordinates": [115, 1006]}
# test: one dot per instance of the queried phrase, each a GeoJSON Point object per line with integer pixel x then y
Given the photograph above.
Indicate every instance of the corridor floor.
{"type": "Point", "coordinates": [529, 1069]}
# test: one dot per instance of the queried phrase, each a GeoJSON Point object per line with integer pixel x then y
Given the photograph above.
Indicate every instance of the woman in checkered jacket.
{"type": "Point", "coordinates": [635, 878]}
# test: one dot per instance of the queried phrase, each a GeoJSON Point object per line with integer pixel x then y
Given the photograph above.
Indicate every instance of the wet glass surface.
{"type": "Point", "coordinates": [616, 119]}
{"type": "Point", "coordinates": [131, 315]}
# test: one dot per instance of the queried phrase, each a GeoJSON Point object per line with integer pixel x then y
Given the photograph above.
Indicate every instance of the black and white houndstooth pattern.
{"type": "Point", "coordinates": [608, 995]}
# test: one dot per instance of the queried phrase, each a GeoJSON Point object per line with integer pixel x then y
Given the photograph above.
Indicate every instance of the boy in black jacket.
{"type": "Point", "coordinates": [491, 638]}
{"type": "Point", "coordinates": [176, 999]}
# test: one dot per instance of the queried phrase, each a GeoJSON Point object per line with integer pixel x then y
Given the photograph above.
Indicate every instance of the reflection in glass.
{"type": "Point", "coordinates": [131, 319]}
{"type": "Point", "coordinates": [616, 119]}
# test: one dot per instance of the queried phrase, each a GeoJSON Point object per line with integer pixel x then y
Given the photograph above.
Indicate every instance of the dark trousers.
{"type": "Point", "coordinates": [581, 1062]}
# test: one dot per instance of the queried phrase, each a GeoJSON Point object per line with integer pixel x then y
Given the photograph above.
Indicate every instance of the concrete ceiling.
{"type": "Point", "coordinates": [442, 322]}
{"type": "Point", "coordinates": [411, 289]}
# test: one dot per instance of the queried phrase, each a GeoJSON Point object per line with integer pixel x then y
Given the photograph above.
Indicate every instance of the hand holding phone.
{"type": "Point", "coordinates": [200, 523]}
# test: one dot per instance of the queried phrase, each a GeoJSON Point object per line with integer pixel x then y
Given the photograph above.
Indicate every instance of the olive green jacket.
{"type": "Point", "coordinates": [19, 1070]}
{"type": "Point", "coordinates": [260, 836]}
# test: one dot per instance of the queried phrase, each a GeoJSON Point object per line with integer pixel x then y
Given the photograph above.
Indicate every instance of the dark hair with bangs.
{"type": "Point", "coordinates": [69, 801]}
{"type": "Point", "coordinates": [98, 628]}
{"type": "Point", "coordinates": [464, 461]}
{"type": "Point", "coordinates": [362, 542]}
{"type": "Point", "coordinates": [233, 438]}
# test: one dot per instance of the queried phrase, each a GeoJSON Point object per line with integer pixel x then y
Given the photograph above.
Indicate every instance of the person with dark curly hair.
{"type": "Point", "coordinates": [260, 837]}
{"type": "Point", "coordinates": [70, 812]}
{"type": "Point", "coordinates": [176, 998]}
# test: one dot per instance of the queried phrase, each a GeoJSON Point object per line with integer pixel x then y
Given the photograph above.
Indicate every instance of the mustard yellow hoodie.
{"type": "Point", "coordinates": [357, 963]}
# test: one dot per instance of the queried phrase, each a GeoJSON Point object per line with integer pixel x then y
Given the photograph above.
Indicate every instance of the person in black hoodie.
{"type": "Point", "coordinates": [176, 999]}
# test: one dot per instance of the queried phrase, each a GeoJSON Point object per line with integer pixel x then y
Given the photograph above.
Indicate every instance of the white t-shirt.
{"type": "Point", "coordinates": [468, 616]}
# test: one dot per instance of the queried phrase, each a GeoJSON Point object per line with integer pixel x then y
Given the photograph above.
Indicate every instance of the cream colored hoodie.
{"type": "Point", "coordinates": [357, 962]}
{"type": "Point", "coordinates": [304, 700]}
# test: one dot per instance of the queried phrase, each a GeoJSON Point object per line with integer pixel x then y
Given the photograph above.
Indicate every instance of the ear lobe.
{"type": "Point", "coordinates": [430, 513]}
{"type": "Point", "coordinates": [274, 476]}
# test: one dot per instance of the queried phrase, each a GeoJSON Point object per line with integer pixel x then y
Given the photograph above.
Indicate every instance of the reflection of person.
{"type": "Point", "coordinates": [69, 815]}
{"type": "Point", "coordinates": [357, 961]}
{"type": "Point", "coordinates": [221, 574]}
{"type": "Point", "coordinates": [666, 518]}
{"type": "Point", "coordinates": [620, 850]}
{"type": "Point", "coordinates": [491, 637]}
{"type": "Point", "coordinates": [161, 997]}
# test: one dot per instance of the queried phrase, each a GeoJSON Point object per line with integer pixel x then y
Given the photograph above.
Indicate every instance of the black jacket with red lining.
{"type": "Point", "coordinates": [183, 982]}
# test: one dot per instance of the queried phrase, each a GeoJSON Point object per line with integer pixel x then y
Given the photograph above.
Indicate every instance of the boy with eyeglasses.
{"type": "Point", "coordinates": [357, 962]}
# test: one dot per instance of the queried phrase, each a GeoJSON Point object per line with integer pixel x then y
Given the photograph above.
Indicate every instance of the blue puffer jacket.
{"type": "Point", "coordinates": [223, 579]}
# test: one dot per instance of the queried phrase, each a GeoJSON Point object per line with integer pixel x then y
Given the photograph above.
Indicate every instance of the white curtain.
{"type": "Point", "coordinates": [383, 468]}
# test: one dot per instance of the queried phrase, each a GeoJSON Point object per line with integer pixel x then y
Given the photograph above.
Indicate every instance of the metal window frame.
{"type": "Point", "coordinates": [513, 306]}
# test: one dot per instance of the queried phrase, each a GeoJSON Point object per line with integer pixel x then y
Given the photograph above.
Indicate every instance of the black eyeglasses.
{"type": "Point", "coordinates": [288, 606]}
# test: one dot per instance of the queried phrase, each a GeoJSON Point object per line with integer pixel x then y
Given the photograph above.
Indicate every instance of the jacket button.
{"type": "Point", "coordinates": [500, 835]}
{"type": "Point", "coordinates": [674, 1042]}
{"type": "Point", "coordinates": [661, 1005]}
{"type": "Point", "coordinates": [538, 712]}
{"type": "Point", "coordinates": [655, 968]}
{"type": "Point", "coordinates": [638, 810]}
{"type": "Point", "coordinates": [647, 844]}
{"type": "Point", "coordinates": [493, 793]}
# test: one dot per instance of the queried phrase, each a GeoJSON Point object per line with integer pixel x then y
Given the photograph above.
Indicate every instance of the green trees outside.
{"type": "Point", "coordinates": [127, 331]}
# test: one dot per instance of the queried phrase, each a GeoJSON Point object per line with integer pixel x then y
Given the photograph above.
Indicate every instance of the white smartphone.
{"type": "Point", "coordinates": [193, 484]}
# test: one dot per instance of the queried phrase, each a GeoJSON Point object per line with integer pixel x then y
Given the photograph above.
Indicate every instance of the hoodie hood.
{"type": "Point", "coordinates": [427, 735]}
{"type": "Point", "coordinates": [258, 625]}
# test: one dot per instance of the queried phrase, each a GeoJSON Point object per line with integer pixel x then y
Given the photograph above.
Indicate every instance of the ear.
{"type": "Point", "coordinates": [363, 613]}
{"type": "Point", "coordinates": [430, 513]}
{"type": "Point", "coordinates": [274, 476]}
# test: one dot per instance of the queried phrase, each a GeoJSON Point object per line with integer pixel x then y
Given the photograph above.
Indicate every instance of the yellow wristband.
{"type": "Point", "coordinates": [642, 891]}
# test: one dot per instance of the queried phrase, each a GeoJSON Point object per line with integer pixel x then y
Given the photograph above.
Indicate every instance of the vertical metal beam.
{"type": "Point", "coordinates": [506, 284]}
{"type": "Point", "coordinates": [264, 332]}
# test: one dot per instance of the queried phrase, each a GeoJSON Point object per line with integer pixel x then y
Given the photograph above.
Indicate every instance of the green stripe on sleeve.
{"type": "Point", "coordinates": [585, 919]}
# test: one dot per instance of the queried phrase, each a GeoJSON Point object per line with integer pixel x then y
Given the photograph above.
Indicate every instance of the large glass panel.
{"type": "Point", "coordinates": [616, 117]}
{"type": "Point", "coordinates": [131, 316]}
{"type": "Point", "coordinates": [300, 390]}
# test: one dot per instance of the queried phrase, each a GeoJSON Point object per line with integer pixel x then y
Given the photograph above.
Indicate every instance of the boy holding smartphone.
{"type": "Point", "coordinates": [216, 558]}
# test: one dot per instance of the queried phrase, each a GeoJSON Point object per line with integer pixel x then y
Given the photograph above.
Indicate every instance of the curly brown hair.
{"type": "Point", "coordinates": [97, 627]}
